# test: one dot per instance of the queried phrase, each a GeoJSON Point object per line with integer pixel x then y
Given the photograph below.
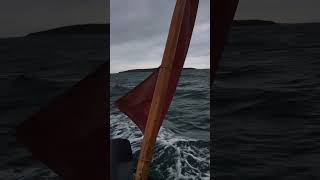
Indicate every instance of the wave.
{"type": "Point", "coordinates": [175, 157]}
{"type": "Point", "coordinates": [119, 88]}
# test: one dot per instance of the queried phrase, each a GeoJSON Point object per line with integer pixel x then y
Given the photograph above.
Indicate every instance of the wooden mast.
{"type": "Point", "coordinates": [154, 118]}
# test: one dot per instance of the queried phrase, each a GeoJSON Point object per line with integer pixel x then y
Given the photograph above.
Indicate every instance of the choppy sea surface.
{"type": "Point", "coordinates": [33, 71]}
{"type": "Point", "coordinates": [266, 104]}
{"type": "Point", "coordinates": [182, 148]}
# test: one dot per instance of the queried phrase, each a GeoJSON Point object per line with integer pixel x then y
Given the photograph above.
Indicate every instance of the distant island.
{"type": "Point", "coordinates": [149, 70]}
{"type": "Point", "coordinates": [252, 23]}
{"type": "Point", "coordinates": [105, 28]}
{"type": "Point", "coordinates": [76, 29]}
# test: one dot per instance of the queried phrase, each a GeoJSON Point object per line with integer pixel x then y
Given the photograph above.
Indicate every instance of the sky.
{"type": "Point", "coordinates": [139, 31]}
{"type": "Point", "coordinates": [139, 27]}
{"type": "Point", "coordinates": [20, 17]}
{"type": "Point", "coordinates": [282, 11]}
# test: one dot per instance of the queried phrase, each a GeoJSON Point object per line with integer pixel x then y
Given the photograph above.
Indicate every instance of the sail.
{"type": "Point", "coordinates": [71, 135]}
{"type": "Point", "coordinates": [223, 13]}
{"type": "Point", "coordinates": [136, 103]}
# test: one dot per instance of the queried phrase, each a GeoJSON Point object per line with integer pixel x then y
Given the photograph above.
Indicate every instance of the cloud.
{"type": "Point", "coordinates": [139, 32]}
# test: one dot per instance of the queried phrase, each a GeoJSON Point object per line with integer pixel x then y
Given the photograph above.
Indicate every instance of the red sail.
{"type": "Point", "coordinates": [223, 13]}
{"type": "Point", "coordinates": [136, 103]}
{"type": "Point", "coordinates": [71, 134]}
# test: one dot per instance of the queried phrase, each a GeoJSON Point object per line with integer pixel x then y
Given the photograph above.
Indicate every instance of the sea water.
{"type": "Point", "coordinates": [266, 104]}
{"type": "Point", "coordinates": [182, 148]}
{"type": "Point", "coordinates": [264, 113]}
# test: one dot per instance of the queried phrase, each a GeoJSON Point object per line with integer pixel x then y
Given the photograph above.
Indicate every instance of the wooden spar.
{"type": "Point", "coordinates": [154, 118]}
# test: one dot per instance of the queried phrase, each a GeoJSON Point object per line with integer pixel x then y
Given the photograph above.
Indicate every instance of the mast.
{"type": "Point", "coordinates": [154, 118]}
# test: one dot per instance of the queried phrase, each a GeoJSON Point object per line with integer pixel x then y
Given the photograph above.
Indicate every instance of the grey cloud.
{"type": "Point", "coordinates": [139, 19]}
{"type": "Point", "coordinates": [19, 17]}
{"type": "Point", "coordinates": [139, 31]}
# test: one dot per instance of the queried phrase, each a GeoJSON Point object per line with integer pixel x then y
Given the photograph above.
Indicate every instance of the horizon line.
{"type": "Point", "coordinates": [48, 29]}
{"type": "Point", "coordinates": [155, 68]}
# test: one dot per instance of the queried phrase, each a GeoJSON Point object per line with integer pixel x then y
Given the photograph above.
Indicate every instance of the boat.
{"type": "Point", "coordinates": [148, 103]}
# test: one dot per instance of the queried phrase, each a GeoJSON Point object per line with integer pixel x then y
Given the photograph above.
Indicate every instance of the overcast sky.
{"type": "Point", "coordinates": [283, 11]}
{"type": "Point", "coordinates": [139, 28]}
{"type": "Point", "coordinates": [139, 31]}
{"type": "Point", "coordinates": [19, 17]}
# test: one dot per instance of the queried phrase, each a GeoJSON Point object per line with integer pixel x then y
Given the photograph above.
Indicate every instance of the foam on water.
{"type": "Point", "coordinates": [176, 157]}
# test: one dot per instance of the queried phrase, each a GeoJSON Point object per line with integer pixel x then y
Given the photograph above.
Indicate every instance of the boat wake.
{"type": "Point", "coordinates": [176, 157]}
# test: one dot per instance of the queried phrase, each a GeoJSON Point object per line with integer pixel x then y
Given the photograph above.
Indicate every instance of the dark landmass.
{"type": "Point", "coordinates": [148, 70]}
{"type": "Point", "coordinates": [252, 23]}
{"type": "Point", "coordinates": [105, 28]}
{"type": "Point", "coordinates": [76, 29]}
